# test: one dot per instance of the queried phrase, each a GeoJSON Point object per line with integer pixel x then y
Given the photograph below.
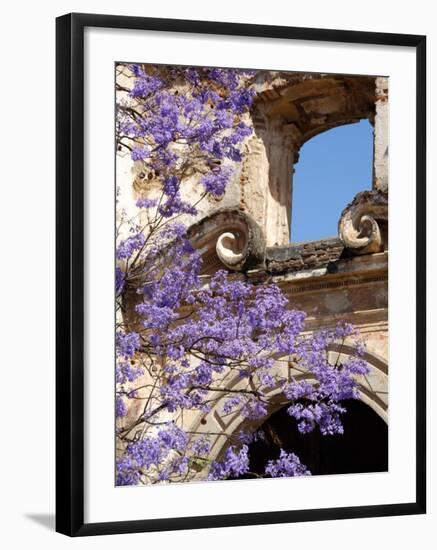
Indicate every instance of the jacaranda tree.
{"type": "Point", "coordinates": [192, 333]}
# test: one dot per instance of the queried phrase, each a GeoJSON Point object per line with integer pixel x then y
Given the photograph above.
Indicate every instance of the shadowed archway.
{"type": "Point", "coordinates": [362, 448]}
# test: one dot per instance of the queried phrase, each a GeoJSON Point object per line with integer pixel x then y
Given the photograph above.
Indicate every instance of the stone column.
{"type": "Point", "coordinates": [280, 152]}
{"type": "Point", "coordinates": [267, 179]}
{"type": "Point", "coordinates": [380, 155]}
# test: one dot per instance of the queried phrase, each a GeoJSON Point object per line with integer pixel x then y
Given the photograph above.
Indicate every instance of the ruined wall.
{"type": "Point", "coordinates": [248, 229]}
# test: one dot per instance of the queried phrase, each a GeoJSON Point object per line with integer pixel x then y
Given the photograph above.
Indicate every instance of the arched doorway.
{"type": "Point", "coordinates": [362, 448]}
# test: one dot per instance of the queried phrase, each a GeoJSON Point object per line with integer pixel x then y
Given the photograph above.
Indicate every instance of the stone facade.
{"type": "Point", "coordinates": [247, 231]}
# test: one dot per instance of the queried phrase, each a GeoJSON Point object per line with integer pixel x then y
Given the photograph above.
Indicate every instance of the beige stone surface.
{"type": "Point", "coordinates": [330, 281]}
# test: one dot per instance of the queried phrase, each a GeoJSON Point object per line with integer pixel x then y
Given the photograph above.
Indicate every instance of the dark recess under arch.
{"type": "Point", "coordinates": [362, 448]}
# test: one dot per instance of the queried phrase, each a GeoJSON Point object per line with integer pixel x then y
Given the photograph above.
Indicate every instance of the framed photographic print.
{"type": "Point", "coordinates": [240, 298]}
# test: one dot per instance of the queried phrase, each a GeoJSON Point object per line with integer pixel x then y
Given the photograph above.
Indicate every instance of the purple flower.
{"type": "Point", "coordinates": [231, 404]}
{"type": "Point", "coordinates": [147, 452]}
{"type": "Point", "coordinates": [254, 408]}
{"type": "Point", "coordinates": [146, 203]}
{"type": "Point", "coordinates": [126, 472]}
{"type": "Point", "coordinates": [130, 245]}
{"type": "Point", "coordinates": [201, 446]}
{"type": "Point", "coordinates": [127, 343]}
{"type": "Point", "coordinates": [287, 465]}
{"type": "Point", "coordinates": [125, 372]}
{"type": "Point", "coordinates": [235, 463]}
{"type": "Point", "coordinates": [119, 280]}
{"type": "Point", "coordinates": [120, 406]}
{"type": "Point", "coordinates": [173, 438]}
{"type": "Point", "coordinates": [139, 153]}
{"type": "Point", "coordinates": [145, 85]}
{"type": "Point", "coordinates": [215, 182]}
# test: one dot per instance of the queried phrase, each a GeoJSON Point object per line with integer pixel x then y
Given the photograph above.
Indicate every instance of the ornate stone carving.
{"type": "Point", "coordinates": [230, 250]}
{"type": "Point", "coordinates": [362, 225]}
{"type": "Point", "coordinates": [231, 237]}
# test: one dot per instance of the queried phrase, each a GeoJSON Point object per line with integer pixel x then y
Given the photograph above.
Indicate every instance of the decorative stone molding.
{"type": "Point", "coordinates": [230, 237]}
{"type": "Point", "coordinates": [372, 388]}
{"type": "Point", "coordinates": [313, 103]}
{"type": "Point", "coordinates": [360, 226]}
{"type": "Point", "coordinates": [307, 255]}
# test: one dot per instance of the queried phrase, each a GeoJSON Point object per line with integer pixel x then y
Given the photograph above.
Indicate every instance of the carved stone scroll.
{"type": "Point", "coordinates": [361, 223]}
{"type": "Point", "coordinates": [229, 237]}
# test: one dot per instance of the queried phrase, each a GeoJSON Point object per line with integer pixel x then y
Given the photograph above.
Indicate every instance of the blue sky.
{"type": "Point", "coordinates": [333, 167]}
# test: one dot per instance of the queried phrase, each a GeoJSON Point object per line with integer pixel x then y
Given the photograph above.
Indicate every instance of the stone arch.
{"type": "Point", "coordinates": [288, 111]}
{"type": "Point", "coordinates": [373, 390]}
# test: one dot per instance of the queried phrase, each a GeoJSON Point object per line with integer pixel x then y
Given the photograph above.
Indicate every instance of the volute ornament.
{"type": "Point", "coordinates": [360, 226]}
{"type": "Point", "coordinates": [233, 236]}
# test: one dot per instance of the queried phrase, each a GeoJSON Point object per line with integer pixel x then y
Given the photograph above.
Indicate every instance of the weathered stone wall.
{"type": "Point", "coordinates": [290, 109]}
{"type": "Point", "coordinates": [248, 229]}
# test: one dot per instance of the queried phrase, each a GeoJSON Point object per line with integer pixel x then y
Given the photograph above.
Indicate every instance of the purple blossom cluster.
{"type": "Point", "coordinates": [238, 328]}
{"type": "Point", "coordinates": [177, 114]}
{"type": "Point", "coordinates": [235, 463]}
{"type": "Point", "coordinates": [129, 246]}
{"type": "Point", "coordinates": [126, 372]}
{"type": "Point", "coordinates": [127, 343]}
{"type": "Point", "coordinates": [287, 465]}
{"type": "Point", "coordinates": [127, 472]}
{"type": "Point", "coordinates": [167, 453]}
{"type": "Point", "coordinates": [119, 281]}
{"type": "Point", "coordinates": [215, 181]}
{"type": "Point", "coordinates": [320, 404]}
{"type": "Point", "coordinates": [120, 406]}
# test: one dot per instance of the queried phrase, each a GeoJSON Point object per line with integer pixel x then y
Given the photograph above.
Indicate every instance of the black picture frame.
{"type": "Point", "coordinates": [70, 273]}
